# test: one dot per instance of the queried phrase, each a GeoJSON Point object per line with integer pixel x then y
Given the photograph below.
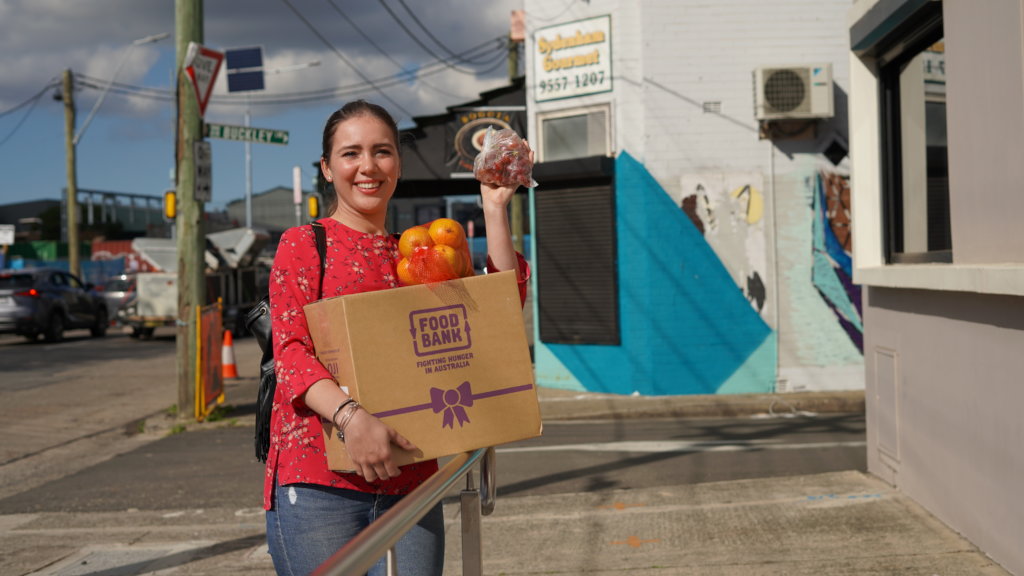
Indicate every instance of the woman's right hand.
{"type": "Point", "coordinates": [368, 441]}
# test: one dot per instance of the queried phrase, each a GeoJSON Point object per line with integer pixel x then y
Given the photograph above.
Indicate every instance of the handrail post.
{"type": "Point", "coordinates": [472, 542]}
{"type": "Point", "coordinates": [488, 483]}
{"type": "Point", "coordinates": [375, 541]}
{"type": "Point", "coordinates": [391, 562]}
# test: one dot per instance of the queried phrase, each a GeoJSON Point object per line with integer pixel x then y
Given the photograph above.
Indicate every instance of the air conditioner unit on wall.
{"type": "Point", "coordinates": [793, 92]}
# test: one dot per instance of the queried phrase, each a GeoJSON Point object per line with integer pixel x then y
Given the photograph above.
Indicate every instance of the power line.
{"type": "Point", "coordinates": [371, 42]}
{"type": "Point", "coordinates": [343, 58]}
{"type": "Point", "coordinates": [421, 44]}
{"type": "Point", "coordinates": [430, 35]}
{"type": "Point", "coordinates": [33, 101]}
{"type": "Point", "coordinates": [568, 6]}
{"type": "Point", "coordinates": [86, 81]}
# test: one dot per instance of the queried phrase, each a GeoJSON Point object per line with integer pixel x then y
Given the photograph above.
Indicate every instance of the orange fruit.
{"type": "Point", "coordinates": [413, 238]}
{"type": "Point", "coordinates": [405, 275]}
{"type": "Point", "coordinates": [467, 265]}
{"type": "Point", "coordinates": [451, 257]}
{"type": "Point", "coordinates": [448, 232]}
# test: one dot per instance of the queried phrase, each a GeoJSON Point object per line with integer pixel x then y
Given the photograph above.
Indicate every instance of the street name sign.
{"type": "Point", "coordinates": [246, 134]}
{"type": "Point", "coordinates": [202, 65]}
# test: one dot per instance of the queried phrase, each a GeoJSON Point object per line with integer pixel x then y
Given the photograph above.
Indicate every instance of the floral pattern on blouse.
{"type": "Point", "coordinates": [356, 262]}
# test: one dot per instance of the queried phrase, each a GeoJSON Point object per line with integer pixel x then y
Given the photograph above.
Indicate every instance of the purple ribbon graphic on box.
{"type": "Point", "coordinates": [452, 403]}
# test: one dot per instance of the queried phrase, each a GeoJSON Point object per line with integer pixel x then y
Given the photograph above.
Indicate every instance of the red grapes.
{"type": "Point", "coordinates": [504, 160]}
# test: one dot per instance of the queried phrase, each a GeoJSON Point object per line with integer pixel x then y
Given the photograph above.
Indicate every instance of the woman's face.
{"type": "Point", "coordinates": [363, 168]}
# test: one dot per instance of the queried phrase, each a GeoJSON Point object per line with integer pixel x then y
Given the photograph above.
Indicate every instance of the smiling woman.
{"type": "Point", "coordinates": [312, 510]}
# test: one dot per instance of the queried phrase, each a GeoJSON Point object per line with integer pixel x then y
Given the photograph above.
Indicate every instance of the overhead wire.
{"type": "Point", "coordinates": [430, 34]}
{"type": "Point", "coordinates": [31, 99]}
{"type": "Point", "coordinates": [344, 59]}
{"type": "Point", "coordinates": [420, 43]}
{"type": "Point", "coordinates": [489, 53]}
{"type": "Point", "coordinates": [568, 6]}
{"type": "Point", "coordinates": [31, 103]}
{"type": "Point", "coordinates": [376, 46]}
{"type": "Point", "coordinates": [90, 82]}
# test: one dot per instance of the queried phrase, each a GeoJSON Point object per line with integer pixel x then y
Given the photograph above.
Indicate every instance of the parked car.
{"type": "Point", "coordinates": [48, 301]}
{"type": "Point", "coordinates": [119, 292]}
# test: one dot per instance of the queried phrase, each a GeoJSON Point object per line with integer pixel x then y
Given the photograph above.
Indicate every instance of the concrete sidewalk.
{"type": "Point", "coordinates": [207, 521]}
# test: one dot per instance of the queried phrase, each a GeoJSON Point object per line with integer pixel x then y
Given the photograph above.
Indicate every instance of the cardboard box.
{"type": "Point", "coordinates": [447, 365]}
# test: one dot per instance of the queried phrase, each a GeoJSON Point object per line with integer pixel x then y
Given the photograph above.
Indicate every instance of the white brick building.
{"type": "Point", "coordinates": [729, 266]}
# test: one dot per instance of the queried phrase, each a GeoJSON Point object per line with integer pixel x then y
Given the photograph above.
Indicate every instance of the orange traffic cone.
{"type": "Point", "coordinates": [227, 357]}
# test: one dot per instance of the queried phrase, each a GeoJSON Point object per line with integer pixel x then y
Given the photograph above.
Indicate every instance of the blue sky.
{"type": "Point", "coordinates": [407, 45]}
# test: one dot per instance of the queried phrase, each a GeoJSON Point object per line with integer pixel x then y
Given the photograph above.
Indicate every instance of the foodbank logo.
{"type": "Point", "coordinates": [440, 330]}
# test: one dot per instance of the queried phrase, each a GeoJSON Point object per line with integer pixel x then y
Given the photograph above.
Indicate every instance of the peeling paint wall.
{"type": "Point", "coordinates": [729, 211]}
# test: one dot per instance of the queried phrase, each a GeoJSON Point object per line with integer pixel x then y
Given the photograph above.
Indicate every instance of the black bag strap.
{"type": "Point", "coordinates": [321, 248]}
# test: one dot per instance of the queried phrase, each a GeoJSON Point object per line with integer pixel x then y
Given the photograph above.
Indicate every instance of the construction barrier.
{"type": "Point", "coordinates": [209, 373]}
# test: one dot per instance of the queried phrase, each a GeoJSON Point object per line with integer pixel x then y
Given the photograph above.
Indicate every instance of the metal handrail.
{"type": "Point", "coordinates": [379, 538]}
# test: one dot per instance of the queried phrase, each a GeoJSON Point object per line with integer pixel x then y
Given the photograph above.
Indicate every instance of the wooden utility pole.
{"type": "Point", "coordinates": [188, 22]}
{"type": "Point", "coordinates": [515, 38]}
{"type": "Point", "coordinates": [71, 197]}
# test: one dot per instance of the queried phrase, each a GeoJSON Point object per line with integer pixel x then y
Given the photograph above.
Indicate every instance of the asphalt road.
{"type": "Point", "coordinates": [104, 387]}
{"type": "Point", "coordinates": [215, 468]}
{"type": "Point", "coordinates": [633, 454]}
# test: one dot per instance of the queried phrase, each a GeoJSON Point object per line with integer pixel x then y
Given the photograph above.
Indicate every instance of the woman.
{"type": "Point", "coordinates": [312, 511]}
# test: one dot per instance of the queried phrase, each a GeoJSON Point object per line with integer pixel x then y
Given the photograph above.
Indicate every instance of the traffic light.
{"type": "Point", "coordinates": [313, 206]}
{"type": "Point", "coordinates": [170, 204]}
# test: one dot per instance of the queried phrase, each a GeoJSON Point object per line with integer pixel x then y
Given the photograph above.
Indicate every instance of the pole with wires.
{"type": "Point", "coordinates": [71, 197]}
{"type": "Point", "coordinates": [189, 220]}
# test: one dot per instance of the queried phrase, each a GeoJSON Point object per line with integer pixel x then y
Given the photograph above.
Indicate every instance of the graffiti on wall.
{"type": "Point", "coordinates": [728, 210]}
{"type": "Point", "coordinates": [833, 262]}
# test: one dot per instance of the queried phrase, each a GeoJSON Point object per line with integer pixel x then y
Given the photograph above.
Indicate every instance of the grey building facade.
{"type": "Point", "coordinates": [936, 116]}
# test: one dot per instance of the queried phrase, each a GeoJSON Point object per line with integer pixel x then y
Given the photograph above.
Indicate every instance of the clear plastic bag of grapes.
{"type": "Point", "coordinates": [504, 160]}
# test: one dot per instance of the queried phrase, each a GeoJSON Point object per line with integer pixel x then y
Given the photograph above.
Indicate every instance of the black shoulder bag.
{"type": "Point", "coordinates": [258, 323]}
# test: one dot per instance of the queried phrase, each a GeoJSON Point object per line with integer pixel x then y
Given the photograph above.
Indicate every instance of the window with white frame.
{"type": "Point", "coordinates": [576, 133]}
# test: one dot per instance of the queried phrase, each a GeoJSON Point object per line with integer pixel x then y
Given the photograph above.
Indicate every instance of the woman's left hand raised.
{"type": "Point", "coordinates": [496, 196]}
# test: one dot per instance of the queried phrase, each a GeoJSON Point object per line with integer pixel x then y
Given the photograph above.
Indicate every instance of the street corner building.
{"type": "Point", "coordinates": [692, 225]}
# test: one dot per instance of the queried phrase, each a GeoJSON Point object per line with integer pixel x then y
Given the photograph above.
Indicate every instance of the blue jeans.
{"type": "Point", "coordinates": [309, 523]}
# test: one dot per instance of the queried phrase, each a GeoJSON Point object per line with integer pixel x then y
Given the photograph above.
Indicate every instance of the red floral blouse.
{"type": "Point", "coordinates": [356, 262]}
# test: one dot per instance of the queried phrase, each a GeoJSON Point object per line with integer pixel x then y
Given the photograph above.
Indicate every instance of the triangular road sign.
{"type": "Point", "coordinates": [202, 65]}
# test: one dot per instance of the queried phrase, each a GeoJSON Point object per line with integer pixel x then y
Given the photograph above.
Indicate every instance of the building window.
{"type": "Point", "coordinates": [577, 133]}
{"type": "Point", "coordinates": [913, 115]}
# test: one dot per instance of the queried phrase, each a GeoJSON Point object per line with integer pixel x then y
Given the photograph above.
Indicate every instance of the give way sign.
{"type": "Point", "coordinates": [202, 65]}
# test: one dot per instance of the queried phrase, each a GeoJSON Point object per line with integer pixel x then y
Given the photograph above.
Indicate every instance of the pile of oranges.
{"type": "Point", "coordinates": [434, 252]}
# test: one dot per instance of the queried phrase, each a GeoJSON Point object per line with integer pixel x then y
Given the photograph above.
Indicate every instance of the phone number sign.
{"type": "Point", "coordinates": [573, 59]}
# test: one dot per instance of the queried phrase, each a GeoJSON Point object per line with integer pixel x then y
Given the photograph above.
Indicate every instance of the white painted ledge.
{"type": "Point", "coordinates": [1005, 279]}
